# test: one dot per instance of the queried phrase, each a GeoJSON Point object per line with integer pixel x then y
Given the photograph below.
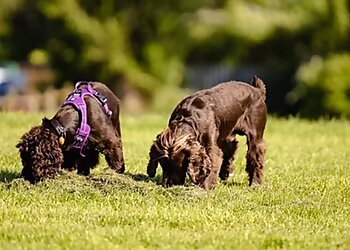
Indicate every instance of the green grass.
{"type": "Point", "coordinates": [304, 202]}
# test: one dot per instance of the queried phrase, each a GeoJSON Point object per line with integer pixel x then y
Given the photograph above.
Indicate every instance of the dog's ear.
{"type": "Point", "coordinates": [199, 166]}
{"type": "Point", "coordinates": [29, 138]}
{"type": "Point", "coordinates": [19, 145]}
{"type": "Point", "coordinates": [154, 154]}
{"type": "Point", "coordinates": [22, 146]}
{"type": "Point", "coordinates": [46, 122]}
{"type": "Point", "coordinates": [23, 143]}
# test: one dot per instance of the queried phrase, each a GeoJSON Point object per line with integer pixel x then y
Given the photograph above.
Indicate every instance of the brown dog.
{"type": "Point", "coordinates": [200, 138]}
{"type": "Point", "coordinates": [75, 136]}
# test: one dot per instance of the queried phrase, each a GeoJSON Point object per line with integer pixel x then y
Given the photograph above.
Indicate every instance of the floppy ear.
{"type": "Point", "coordinates": [22, 146]}
{"type": "Point", "coordinates": [199, 162]}
{"type": "Point", "coordinates": [29, 138]}
{"type": "Point", "coordinates": [154, 155]}
{"type": "Point", "coordinates": [46, 122]}
{"type": "Point", "coordinates": [19, 145]}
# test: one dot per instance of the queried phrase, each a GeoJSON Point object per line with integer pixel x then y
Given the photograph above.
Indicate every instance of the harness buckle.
{"type": "Point", "coordinates": [77, 92]}
{"type": "Point", "coordinates": [77, 140]}
{"type": "Point", "coordinates": [100, 97]}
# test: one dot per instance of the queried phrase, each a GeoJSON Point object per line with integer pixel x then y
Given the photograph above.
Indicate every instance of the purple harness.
{"type": "Point", "coordinates": [76, 98]}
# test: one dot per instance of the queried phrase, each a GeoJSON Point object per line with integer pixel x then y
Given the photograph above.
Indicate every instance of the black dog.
{"type": "Point", "coordinates": [75, 136]}
{"type": "Point", "coordinates": [200, 138]}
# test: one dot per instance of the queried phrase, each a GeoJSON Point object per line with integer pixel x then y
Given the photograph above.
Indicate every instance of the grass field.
{"type": "Point", "coordinates": [304, 202]}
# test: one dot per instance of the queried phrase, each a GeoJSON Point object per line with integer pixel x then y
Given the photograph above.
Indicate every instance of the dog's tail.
{"type": "Point", "coordinates": [258, 83]}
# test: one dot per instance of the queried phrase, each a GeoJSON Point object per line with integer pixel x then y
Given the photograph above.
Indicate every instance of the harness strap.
{"type": "Point", "coordinates": [76, 98]}
{"type": "Point", "coordinates": [98, 96]}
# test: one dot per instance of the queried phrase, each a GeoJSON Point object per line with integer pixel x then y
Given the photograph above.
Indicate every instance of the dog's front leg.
{"type": "Point", "coordinates": [84, 164]}
{"type": "Point", "coordinates": [69, 161]}
{"type": "Point", "coordinates": [210, 181]}
{"type": "Point", "coordinates": [216, 158]}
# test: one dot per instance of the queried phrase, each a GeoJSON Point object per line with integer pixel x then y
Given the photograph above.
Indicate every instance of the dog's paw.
{"type": "Point", "coordinates": [121, 169]}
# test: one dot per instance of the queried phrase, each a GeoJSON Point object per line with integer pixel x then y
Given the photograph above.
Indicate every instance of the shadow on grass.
{"type": "Point", "coordinates": [234, 183]}
{"type": "Point", "coordinates": [7, 176]}
{"type": "Point", "coordinates": [145, 178]}
{"type": "Point", "coordinates": [158, 180]}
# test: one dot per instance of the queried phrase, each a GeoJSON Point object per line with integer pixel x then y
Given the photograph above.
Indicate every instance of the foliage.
{"type": "Point", "coordinates": [303, 204]}
{"type": "Point", "coordinates": [148, 45]}
{"type": "Point", "coordinates": [123, 41]}
{"type": "Point", "coordinates": [324, 86]}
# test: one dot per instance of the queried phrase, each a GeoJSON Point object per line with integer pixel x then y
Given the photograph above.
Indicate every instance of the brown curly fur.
{"type": "Point", "coordinates": [200, 138]}
{"type": "Point", "coordinates": [42, 156]}
{"type": "Point", "coordinates": [40, 150]}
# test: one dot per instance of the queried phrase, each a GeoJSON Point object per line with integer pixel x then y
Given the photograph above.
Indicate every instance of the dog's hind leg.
{"type": "Point", "coordinates": [119, 155]}
{"type": "Point", "coordinates": [119, 146]}
{"type": "Point", "coordinates": [87, 162]}
{"type": "Point", "coordinates": [228, 149]}
{"type": "Point", "coordinates": [256, 145]}
{"type": "Point", "coordinates": [255, 160]}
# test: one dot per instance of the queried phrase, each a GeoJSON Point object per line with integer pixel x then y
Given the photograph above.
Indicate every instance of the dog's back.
{"type": "Point", "coordinates": [228, 101]}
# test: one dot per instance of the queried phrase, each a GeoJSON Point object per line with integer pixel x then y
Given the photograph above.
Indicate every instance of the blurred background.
{"type": "Point", "coordinates": [152, 53]}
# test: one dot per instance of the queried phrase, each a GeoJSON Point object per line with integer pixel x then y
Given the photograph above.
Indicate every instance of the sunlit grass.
{"type": "Point", "coordinates": [303, 204]}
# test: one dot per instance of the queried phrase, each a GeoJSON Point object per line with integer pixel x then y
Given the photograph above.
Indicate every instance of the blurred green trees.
{"type": "Point", "coordinates": [301, 47]}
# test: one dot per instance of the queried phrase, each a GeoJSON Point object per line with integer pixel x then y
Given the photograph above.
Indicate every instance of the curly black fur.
{"type": "Point", "coordinates": [42, 156]}
{"type": "Point", "coordinates": [40, 150]}
{"type": "Point", "coordinates": [200, 138]}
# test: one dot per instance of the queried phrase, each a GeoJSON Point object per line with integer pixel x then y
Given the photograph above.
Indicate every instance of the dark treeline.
{"type": "Point", "coordinates": [299, 47]}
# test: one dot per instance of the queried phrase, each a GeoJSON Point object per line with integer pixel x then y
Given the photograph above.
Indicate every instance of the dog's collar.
{"type": "Point", "coordinates": [59, 130]}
